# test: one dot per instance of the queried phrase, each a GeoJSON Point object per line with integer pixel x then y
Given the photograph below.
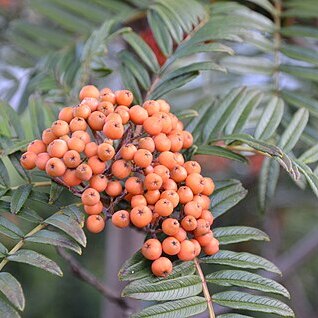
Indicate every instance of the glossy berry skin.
{"type": "Point", "coordinates": [161, 267]}
{"type": "Point", "coordinates": [121, 218]}
{"type": "Point", "coordinates": [151, 249]}
{"type": "Point", "coordinates": [95, 224]}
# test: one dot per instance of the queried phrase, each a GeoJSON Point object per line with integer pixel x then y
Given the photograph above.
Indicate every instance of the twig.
{"type": "Point", "coordinates": [206, 292]}
{"type": "Point", "coordinates": [83, 274]}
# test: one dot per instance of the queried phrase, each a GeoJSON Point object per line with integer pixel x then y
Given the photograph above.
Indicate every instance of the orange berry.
{"type": "Point", "coordinates": [163, 207]}
{"type": "Point", "coordinates": [187, 251]}
{"type": "Point", "coordinates": [165, 122]}
{"type": "Point", "coordinates": [98, 166]}
{"type": "Point", "coordinates": [114, 188]}
{"type": "Point", "coordinates": [193, 208]}
{"type": "Point", "coordinates": [179, 125]}
{"type": "Point", "coordinates": [152, 196]}
{"type": "Point", "coordinates": [90, 197]}
{"type": "Point", "coordinates": [168, 159]}
{"type": "Point", "coordinates": [207, 215]}
{"type": "Point", "coordinates": [138, 200]}
{"type": "Point", "coordinates": [178, 173]}
{"type": "Point", "coordinates": [162, 142]}
{"type": "Point", "coordinates": [197, 247]}
{"type": "Point", "coordinates": [179, 158]}
{"type": "Point", "coordinates": [161, 267]}
{"type": "Point", "coordinates": [185, 194]}
{"type": "Point", "coordinates": [66, 138]}
{"type": "Point", "coordinates": [176, 142]}
{"type": "Point", "coordinates": [128, 151]}
{"type": "Point", "coordinates": [138, 114]}
{"type": "Point", "coordinates": [189, 223]}
{"type": "Point", "coordinates": [113, 129]}
{"type": "Point", "coordinates": [151, 106]}
{"type": "Point", "coordinates": [37, 146]}
{"type": "Point", "coordinates": [140, 216]}
{"type": "Point", "coordinates": [203, 227]}
{"type": "Point", "coordinates": [90, 149]}
{"type": "Point", "coordinates": [170, 226]}
{"type": "Point", "coordinates": [121, 218]}
{"type": "Point", "coordinates": [123, 113]}
{"type": "Point", "coordinates": [96, 120]}
{"type": "Point", "coordinates": [146, 143]}
{"type": "Point", "coordinates": [105, 151]}
{"type": "Point", "coordinates": [82, 135]}
{"type": "Point", "coordinates": [170, 185]}
{"type": "Point", "coordinates": [48, 136]}
{"type": "Point", "coordinates": [121, 169]}
{"type": "Point", "coordinates": [187, 139]}
{"type": "Point", "coordinates": [208, 186]}
{"type": "Point", "coordinates": [94, 209]}
{"type": "Point", "coordinates": [124, 97]}
{"type": "Point", "coordinates": [134, 185]}
{"type": "Point", "coordinates": [171, 246]}
{"type": "Point", "coordinates": [143, 158]}
{"type": "Point", "coordinates": [91, 102]}
{"type": "Point", "coordinates": [164, 106]}
{"type": "Point", "coordinates": [113, 117]}
{"type": "Point", "coordinates": [151, 249]}
{"type": "Point", "coordinates": [105, 108]}
{"type": "Point", "coordinates": [89, 91]}
{"type": "Point", "coordinates": [82, 110]}
{"type": "Point", "coordinates": [212, 248]}
{"type": "Point", "coordinates": [195, 182]}
{"type": "Point", "coordinates": [60, 128]}
{"type": "Point", "coordinates": [95, 223]}
{"type": "Point", "coordinates": [98, 182]}
{"type": "Point", "coordinates": [66, 114]}
{"type": "Point", "coordinates": [70, 178]}
{"type": "Point", "coordinates": [162, 171]}
{"type": "Point", "coordinates": [71, 159]}
{"type": "Point", "coordinates": [171, 195]}
{"type": "Point", "coordinates": [78, 123]}
{"type": "Point", "coordinates": [174, 120]}
{"type": "Point", "coordinates": [153, 181]}
{"type": "Point", "coordinates": [205, 239]}
{"type": "Point", "coordinates": [76, 144]}
{"type": "Point", "coordinates": [28, 159]}
{"type": "Point", "coordinates": [108, 97]}
{"type": "Point", "coordinates": [152, 125]}
{"type": "Point", "coordinates": [181, 235]}
{"type": "Point", "coordinates": [55, 167]}
{"type": "Point", "coordinates": [57, 148]}
{"type": "Point", "coordinates": [84, 172]}
{"type": "Point", "coordinates": [203, 200]}
{"type": "Point", "coordinates": [41, 160]}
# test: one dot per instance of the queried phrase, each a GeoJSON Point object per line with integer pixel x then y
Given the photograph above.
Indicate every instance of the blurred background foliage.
{"type": "Point", "coordinates": [49, 49]}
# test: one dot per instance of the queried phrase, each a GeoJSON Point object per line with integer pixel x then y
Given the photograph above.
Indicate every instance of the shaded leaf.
{"type": "Point", "coordinates": [12, 289]}
{"type": "Point", "coordinates": [55, 192]}
{"type": "Point", "coordinates": [19, 197]}
{"type": "Point", "coordinates": [9, 229]}
{"type": "Point", "coordinates": [6, 311]}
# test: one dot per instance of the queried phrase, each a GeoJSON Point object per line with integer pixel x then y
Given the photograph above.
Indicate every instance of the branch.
{"type": "Point", "coordinates": [83, 274]}
{"type": "Point", "coordinates": [206, 292]}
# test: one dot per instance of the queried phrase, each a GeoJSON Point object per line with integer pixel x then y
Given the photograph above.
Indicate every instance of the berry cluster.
{"type": "Point", "coordinates": [109, 152]}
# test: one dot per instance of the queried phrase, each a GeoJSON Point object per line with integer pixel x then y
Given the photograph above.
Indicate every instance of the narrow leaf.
{"type": "Point", "coordinates": [55, 192]}
{"type": "Point", "coordinates": [19, 197]}
{"type": "Point", "coordinates": [6, 311]}
{"type": "Point", "coordinates": [9, 229]}
{"type": "Point", "coordinates": [310, 156]}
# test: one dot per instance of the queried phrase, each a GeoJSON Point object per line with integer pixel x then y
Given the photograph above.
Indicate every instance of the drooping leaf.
{"type": "Point", "coordinates": [247, 280]}
{"type": "Point", "coordinates": [245, 301]}
{"type": "Point", "coordinates": [35, 259]}
{"type": "Point", "coordinates": [12, 289]}
{"type": "Point", "coordinates": [19, 197]}
{"type": "Point", "coordinates": [9, 229]}
{"type": "Point", "coordinates": [241, 260]}
{"type": "Point", "coordinates": [55, 192]}
{"type": "Point", "coordinates": [6, 311]}
{"type": "Point", "coordinates": [187, 307]}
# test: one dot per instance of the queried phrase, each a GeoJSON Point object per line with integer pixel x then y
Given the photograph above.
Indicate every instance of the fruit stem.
{"type": "Point", "coordinates": [206, 292]}
{"type": "Point", "coordinates": [20, 244]}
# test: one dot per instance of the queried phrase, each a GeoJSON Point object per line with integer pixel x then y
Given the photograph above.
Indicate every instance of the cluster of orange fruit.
{"type": "Point", "coordinates": [105, 149]}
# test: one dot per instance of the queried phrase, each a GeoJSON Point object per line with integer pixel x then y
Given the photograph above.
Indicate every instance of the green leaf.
{"type": "Point", "coordinates": [55, 192]}
{"type": "Point", "coordinates": [247, 280]}
{"type": "Point", "coordinates": [6, 311]}
{"type": "Point", "coordinates": [179, 308]}
{"type": "Point", "coordinates": [135, 267]}
{"type": "Point", "coordinates": [19, 197]}
{"type": "Point", "coordinates": [267, 182]}
{"type": "Point", "coordinates": [176, 288]}
{"type": "Point", "coordinates": [270, 119]}
{"type": "Point", "coordinates": [245, 301]}
{"type": "Point", "coordinates": [294, 130]}
{"type": "Point", "coordinates": [310, 156]}
{"type": "Point", "coordinates": [30, 215]}
{"type": "Point", "coordinates": [299, 100]}
{"type": "Point", "coordinates": [300, 53]}
{"type": "Point", "coordinates": [311, 177]}
{"type": "Point", "coordinates": [54, 238]}
{"type": "Point", "coordinates": [265, 4]}
{"type": "Point", "coordinates": [236, 234]}
{"type": "Point", "coordinates": [4, 175]}
{"type": "Point", "coordinates": [233, 316]}
{"type": "Point", "coordinates": [12, 289]}
{"type": "Point", "coordinates": [9, 229]}
{"type": "Point", "coordinates": [18, 145]}
{"type": "Point", "coordinates": [226, 195]}
{"type": "Point", "coordinates": [308, 73]}
{"type": "Point", "coordinates": [35, 259]}
{"type": "Point", "coordinates": [3, 250]}
{"type": "Point", "coordinates": [300, 31]}
{"type": "Point", "coordinates": [241, 260]}
{"type": "Point", "coordinates": [220, 152]}
{"type": "Point", "coordinates": [15, 161]}
{"type": "Point", "coordinates": [130, 83]}
{"type": "Point", "coordinates": [186, 113]}
{"type": "Point", "coordinates": [142, 50]}
{"type": "Point", "coordinates": [68, 225]}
